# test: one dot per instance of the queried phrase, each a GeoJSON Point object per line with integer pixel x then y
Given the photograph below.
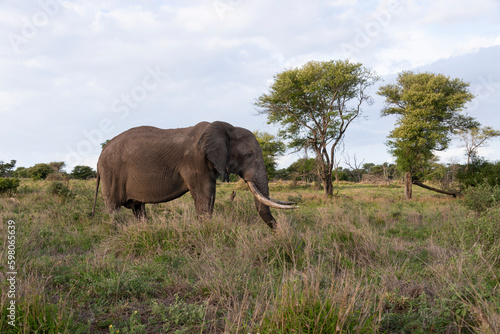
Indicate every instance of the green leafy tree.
{"type": "Point", "coordinates": [367, 167]}
{"type": "Point", "coordinates": [21, 172]}
{"type": "Point", "coordinates": [315, 104]}
{"type": "Point", "coordinates": [57, 166]}
{"type": "Point", "coordinates": [272, 148]}
{"type": "Point", "coordinates": [6, 168]}
{"type": "Point", "coordinates": [303, 169]}
{"type": "Point", "coordinates": [428, 108]}
{"type": "Point", "coordinates": [40, 171]}
{"type": "Point", "coordinates": [83, 172]}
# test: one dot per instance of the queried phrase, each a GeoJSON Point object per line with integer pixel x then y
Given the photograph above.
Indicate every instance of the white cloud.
{"type": "Point", "coordinates": [472, 43]}
{"type": "Point", "coordinates": [198, 18]}
{"type": "Point", "coordinates": [341, 3]}
{"type": "Point", "coordinates": [445, 12]}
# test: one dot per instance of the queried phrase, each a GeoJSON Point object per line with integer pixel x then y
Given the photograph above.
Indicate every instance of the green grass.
{"type": "Point", "coordinates": [363, 261]}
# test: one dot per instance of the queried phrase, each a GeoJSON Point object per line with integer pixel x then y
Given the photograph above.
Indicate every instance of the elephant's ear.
{"type": "Point", "coordinates": [214, 143]}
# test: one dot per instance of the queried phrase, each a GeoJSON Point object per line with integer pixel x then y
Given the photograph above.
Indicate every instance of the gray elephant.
{"type": "Point", "coordinates": [151, 165]}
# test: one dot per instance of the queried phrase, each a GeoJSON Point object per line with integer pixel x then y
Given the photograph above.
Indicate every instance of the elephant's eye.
{"type": "Point", "coordinates": [249, 155]}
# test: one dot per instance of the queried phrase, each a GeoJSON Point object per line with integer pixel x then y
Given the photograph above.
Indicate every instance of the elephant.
{"type": "Point", "coordinates": [151, 165]}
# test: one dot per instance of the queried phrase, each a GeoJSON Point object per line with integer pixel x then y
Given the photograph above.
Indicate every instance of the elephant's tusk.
{"type": "Point", "coordinates": [266, 201]}
{"type": "Point", "coordinates": [282, 202]}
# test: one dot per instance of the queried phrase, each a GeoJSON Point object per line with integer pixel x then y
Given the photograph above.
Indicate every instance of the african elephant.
{"type": "Point", "coordinates": [151, 165]}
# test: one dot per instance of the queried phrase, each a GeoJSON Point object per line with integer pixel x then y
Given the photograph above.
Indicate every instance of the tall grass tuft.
{"type": "Point", "coordinates": [308, 302]}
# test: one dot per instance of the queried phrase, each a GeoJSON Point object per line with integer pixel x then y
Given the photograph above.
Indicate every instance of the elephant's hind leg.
{"type": "Point", "coordinates": [139, 211]}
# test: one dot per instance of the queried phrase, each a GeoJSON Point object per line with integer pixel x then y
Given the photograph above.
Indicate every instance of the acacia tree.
{"type": "Point", "coordinates": [314, 106]}
{"type": "Point", "coordinates": [6, 168]}
{"type": "Point", "coordinates": [428, 108]}
{"type": "Point", "coordinates": [474, 139]}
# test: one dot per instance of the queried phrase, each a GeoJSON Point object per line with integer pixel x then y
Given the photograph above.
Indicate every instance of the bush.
{"type": "Point", "coordinates": [479, 172]}
{"type": "Point", "coordinates": [40, 171]}
{"type": "Point", "coordinates": [58, 188]}
{"type": "Point", "coordinates": [482, 197]}
{"type": "Point", "coordinates": [21, 172]}
{"type": "Point", "coordinates": [8, 184]}
{"type": "Point", "coordinates": [83, 173]}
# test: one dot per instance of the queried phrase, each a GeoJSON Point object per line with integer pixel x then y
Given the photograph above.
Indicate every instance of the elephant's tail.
{"type": "Point", "coordinates": [96, 192]}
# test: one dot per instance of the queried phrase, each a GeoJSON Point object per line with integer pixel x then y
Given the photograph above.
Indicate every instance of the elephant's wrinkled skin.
{"type": "Point", "coordinates": [151, 165]}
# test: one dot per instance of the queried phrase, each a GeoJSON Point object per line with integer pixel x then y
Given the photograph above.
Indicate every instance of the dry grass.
{"type": "Point", "coordinates": [363, 261]}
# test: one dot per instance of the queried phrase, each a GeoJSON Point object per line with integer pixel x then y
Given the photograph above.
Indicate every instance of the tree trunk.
{"type": "Point", "coordinates": [328, 184]}
{"type": "Point", "coordinates": [408, 183]}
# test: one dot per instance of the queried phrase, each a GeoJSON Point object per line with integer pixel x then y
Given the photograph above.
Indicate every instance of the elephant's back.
{"type": "Point", "coordinates": [148, 143]}
{"type": "Point", "coordinates": [153, 134]}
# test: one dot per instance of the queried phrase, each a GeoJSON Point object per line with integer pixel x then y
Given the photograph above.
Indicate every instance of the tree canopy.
{"type": "Point", "coordinates": [315, 104]}
{"type": "Point", "coordinates": [6, 168]}
{"type": "Point", "coordinates": [428, 108]}
{"type": "Point", "coordinates": [40, 171]}
{"type": "Point", "coordinates": [272, 148]}
{"type": "Point", "coordinates": [83, 172]}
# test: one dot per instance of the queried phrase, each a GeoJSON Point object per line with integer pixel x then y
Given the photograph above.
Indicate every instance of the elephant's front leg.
{"type": "Point", "coordinates": [139, 211]}
{"type": "Point", "coordinates": [204, 197]}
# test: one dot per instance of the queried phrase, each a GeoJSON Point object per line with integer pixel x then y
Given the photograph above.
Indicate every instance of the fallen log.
{"type": "Point", "coordinates": [420, 184]}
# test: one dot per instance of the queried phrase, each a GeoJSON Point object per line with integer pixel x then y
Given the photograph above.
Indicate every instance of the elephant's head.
{"type": "Point", "coordinates": [236, 150]}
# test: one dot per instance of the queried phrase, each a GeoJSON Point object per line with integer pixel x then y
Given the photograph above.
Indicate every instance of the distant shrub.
{"type": "Point", "coordinates": [21, 172]}
{"type": "Point", "coordinates": [8, 184]}
{"type": "Point", "coordinates": [58, 188]}
{"type": "Point", "coordinates": [482, 197]}
{"type": "Point", "coordinates": [479, 172]}
{"type": "Point", "coordinates": [83, 173]}
{"type": "Point", "coordinates": [40, 171]}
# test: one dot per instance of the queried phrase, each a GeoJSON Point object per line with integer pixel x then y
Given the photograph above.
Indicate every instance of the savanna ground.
{"type": "Point", "coordinates": [364, 261]}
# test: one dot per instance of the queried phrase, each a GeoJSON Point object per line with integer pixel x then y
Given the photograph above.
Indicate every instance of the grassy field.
{"type": "Point", "coordinates": [365, 261]}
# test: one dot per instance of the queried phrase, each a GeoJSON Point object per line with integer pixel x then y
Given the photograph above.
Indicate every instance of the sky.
{"type": "Point", "coordinates": [76, 73]}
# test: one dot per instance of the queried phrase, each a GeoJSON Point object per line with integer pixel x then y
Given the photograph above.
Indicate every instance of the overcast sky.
{"type": "Point", "coordinates": [75, 73]}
